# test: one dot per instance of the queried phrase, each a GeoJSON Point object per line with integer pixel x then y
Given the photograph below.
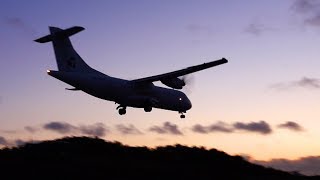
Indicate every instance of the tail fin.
{"type": "Point", "coordinates": [67, 58]}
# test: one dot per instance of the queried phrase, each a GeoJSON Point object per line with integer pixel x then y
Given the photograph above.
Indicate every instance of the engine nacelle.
{"type": "Point", "coordinates": [174, 83]}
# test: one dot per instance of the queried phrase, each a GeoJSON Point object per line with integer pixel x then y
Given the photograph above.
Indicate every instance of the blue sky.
{"type": "Point", "coordinates": [272, 77]}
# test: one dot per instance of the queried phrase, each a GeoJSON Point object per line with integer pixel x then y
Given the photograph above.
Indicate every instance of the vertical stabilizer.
{"type": "Point", "coordinates": [67, 58]}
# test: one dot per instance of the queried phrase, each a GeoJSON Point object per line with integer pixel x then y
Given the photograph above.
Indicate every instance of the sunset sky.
{"type": "Point", "coordinates": [263, 104]}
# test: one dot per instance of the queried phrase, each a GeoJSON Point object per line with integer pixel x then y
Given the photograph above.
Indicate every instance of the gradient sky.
{"type": "Point", "coordinates": [264, 103]}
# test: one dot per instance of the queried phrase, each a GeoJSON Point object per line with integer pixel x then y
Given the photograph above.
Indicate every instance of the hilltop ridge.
{"type": "Point", "coordinates": [93, 158]}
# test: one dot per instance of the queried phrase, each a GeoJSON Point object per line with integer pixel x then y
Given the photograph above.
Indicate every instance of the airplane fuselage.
{"type": "Point", "coordinates": [125, 92]}
{"type": "Point", "coordinates": [138, 93]}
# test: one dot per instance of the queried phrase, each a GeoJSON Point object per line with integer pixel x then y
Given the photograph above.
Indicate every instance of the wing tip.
{"type": "Point", "coordinates": [224, 59]}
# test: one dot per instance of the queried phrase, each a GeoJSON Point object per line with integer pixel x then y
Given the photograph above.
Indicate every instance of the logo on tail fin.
{"type": "Point", "coordinates": [71, 63]}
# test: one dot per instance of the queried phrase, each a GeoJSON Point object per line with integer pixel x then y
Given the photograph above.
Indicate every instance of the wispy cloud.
{"type": "Point", "coordinates": [305, 6]}
{"type": "Point", "coordinates": [304, 82]}
{"type": "Point", "coordinates": [14, 142]}
{"type": "Point", "coordinates": [307, 165]}
{"type": "Point", "coordinates": [259, 127]}
{"type": "Point", "coordinates": [31, 129]}
{"type": "Point", "coordinates": [97, 129]}
{"type": "Point", "coordinates": [60, 127]}
{"type": "Point", "coordinates": [166, 128]}
{"type": "Point", "coordinates": [128, 130]}
{"type": "Point", "coordinates": [19, 24]}
{"type": "Point", "coordinates": [9, 131]}
{"type": "Point", "coordinates": [257, 28]}
{"type": "Point", "coordinates": [291, 126]}
{"type": "Point", "coordinates": [200, 33]}
{"type": "Point", "coordinates": [20, 142]}
{"type": "Point", "coordinates": [217, 127]}
{"type": "Point", "coordinates": [308, 82]}
{"type": "Point", "coordinates": [309, 11]}
{"type": "Point", "coordinates": [200, 29]}
{"type": "Point", "coordinates": [4, 141]}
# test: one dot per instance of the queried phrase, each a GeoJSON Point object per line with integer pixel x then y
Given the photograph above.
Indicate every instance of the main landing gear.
{"type": "Point", "coordinates": [121, 110]}
{"type": "Point", "coordinates": [148, 109]}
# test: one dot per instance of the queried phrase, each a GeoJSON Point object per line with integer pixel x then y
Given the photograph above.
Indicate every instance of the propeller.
{"type": "Point", "coordinates": [189, 83]}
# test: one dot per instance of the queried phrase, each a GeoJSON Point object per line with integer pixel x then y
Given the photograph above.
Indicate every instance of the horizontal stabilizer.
{"type": "Point", "coordinates": [59, 34]}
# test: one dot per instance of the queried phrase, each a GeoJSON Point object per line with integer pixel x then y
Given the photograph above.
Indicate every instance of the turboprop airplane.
{"type": "Point", "coordinates": [138, 93]}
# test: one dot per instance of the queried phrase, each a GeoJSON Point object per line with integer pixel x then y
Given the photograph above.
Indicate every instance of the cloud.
{"type": "Point", "coordinates": [60, 127]}
{"type": "Point", "coordinates": [308, 82]}
{"type": "Point", "coordinates": [309, 11]}
{"type": "Point", "coordinates": [200, 33]}
{"type": "Point", "coordinates": [167, 128]}
{"type": "Point", "coordinates": [305, 6]}
{"type": "Point", "coordinates": [304, 82]}
{"type": "Point", "coordinates": [20, 142]}
{"type": "Point", "coordinates": [291, 126]}
{"type": "Point", "coordinates": [97, 129]}
{"type": "Point", "coordinates": [260, 127]}
{"type": "Point", "coordinates": [256, 28]}
{"type": "Point", "coordinates": [217, 127]}
{"type": "Point", "coordinates": [313, 21]}
{"type": "Point", "coordinates": [30, 129]}
{"type": "Point", "coordinates": [128, 130]}
{"type": "Point", "coordinates": [9, 131]}
{"type": "Point", "coordinates": [4, 141]}
{"type": "Point", "coordinates": [200, 29]}
{"type": "Point", "coordinates": [306, 165]}
{"type": "Point", "coordinates": [19, 24]}
{"type": "Point", "coordinates": [200, 129]}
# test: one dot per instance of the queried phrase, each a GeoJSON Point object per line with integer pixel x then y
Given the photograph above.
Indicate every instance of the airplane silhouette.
{"type": "Point", "coordinates": [138, 93]}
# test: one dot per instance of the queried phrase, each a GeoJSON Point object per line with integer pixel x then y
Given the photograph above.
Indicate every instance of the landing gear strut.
{"type": "Point", "coordinates": [122, 110]}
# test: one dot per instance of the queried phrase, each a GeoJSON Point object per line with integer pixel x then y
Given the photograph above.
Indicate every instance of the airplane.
{"type": "Point", "coordinates": [137, 93]}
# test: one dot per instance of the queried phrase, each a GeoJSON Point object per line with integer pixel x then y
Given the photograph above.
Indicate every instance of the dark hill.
{"type": "Point", "coordinates": [92, 158]}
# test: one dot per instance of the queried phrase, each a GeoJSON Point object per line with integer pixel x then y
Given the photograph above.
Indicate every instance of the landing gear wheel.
{"type": "Point", "coordinates": [122, 111]}
{"type": "Point", "coordinates": [147, 109]}
{"type": "Point", "coordinates": [182, 116]}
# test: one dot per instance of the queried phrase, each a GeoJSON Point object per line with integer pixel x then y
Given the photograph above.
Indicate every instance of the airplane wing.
{"type": "Point", "coordinates": [182, 72]}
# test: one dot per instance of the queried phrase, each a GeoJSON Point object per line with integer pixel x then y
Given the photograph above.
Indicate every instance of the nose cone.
{"type": "Point", "coordinates": [188, 104]}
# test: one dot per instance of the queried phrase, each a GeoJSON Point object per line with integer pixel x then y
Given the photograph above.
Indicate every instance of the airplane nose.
{"type": "Point", "coordinates": [188, 104]}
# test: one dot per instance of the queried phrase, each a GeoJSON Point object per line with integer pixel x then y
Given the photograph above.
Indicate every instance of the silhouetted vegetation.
{"type": "Point", "coordinates": [92, 158]}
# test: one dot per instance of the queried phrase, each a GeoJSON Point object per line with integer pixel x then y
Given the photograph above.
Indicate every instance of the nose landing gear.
{"type": "Point", "coordinates": [122, 110]}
